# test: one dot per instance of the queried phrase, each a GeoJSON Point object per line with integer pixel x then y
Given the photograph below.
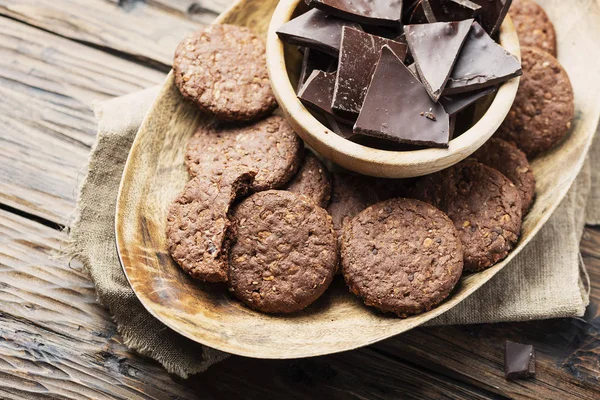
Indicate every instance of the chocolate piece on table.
{"type": "Point", "coordinates": [482, 63]}
{"type": "Point", "coordinates": [492, 13]}
{"type": "Point", "coordinates": [435, 48]}
{"type": "Point", "coordinates": [312, 60]}
{"type": "Point", "coordinates": [455, 104]}
{"type": "Point", "coordinates": [359, 54]}
{"type": "Point", "coordinates": [378, 12]}
{"type": "Point", "coordinates": [519, 361]}
{"type": "Point", "coordinates": [316, 30]}
{"type": "Point", "coordinates": [398, 108]}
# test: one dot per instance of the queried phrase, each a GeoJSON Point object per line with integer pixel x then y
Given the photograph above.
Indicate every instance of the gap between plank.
{"type": "Point", "coordinates": [139, 60]}
{"type": "Point", "coordinates": [32, 217]}
{"type": "Point", "coordinates": [456, 379]}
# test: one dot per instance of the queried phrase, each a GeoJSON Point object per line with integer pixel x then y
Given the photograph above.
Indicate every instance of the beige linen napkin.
{"type": "Point", "coordinates": [542, 282]}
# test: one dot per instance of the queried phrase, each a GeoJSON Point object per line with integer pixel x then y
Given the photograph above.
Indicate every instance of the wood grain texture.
{"type": "Point", "coordinates": [192, 8]}
{"type": "Point", "coordinates": [422, 363]}
{"type": "Point", "coordinates": [47, 126]}
{"type": "Point", "coordinates": [154, 175]}
{"type": "Point", "coordinates": [283, 62]}
{"type": "Point", "coordinates": [56, 341]}
{"type": "Point", "coordinates": [135, 29]}
{"type": "Point", "coordinates": [55, 355]}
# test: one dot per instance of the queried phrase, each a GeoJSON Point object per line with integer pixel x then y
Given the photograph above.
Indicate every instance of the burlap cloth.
{"type": "Point", "coordinates": [544, 281]}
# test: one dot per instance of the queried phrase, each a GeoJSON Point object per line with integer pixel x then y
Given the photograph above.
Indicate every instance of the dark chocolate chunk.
{"type": "Point", "coordinates": [379, 12]}
{"type": "Point", "coordinates": [423, 13]}
{"type": "Point", "coordinates": [482, 63]}
{"type": "Point", "coordinates": [452, 127]}
{"type": "Point", "coordinates": [435, 48]}
{"type": "Point", "coordinates": [359, 54]}
{"type": "Point", "coordinates": [458, 103]}
{"type": "Point", "coordinates": [455, 10]}
{"type": "Point", "coordinates": [519, 361]}
{"type": "Point", "coordinates": [492, 13]}
{"type": "Point", "coordinates": [384, 32]}
{"type": "Point", "coordinates": [408, 7]}
{"type": "Point", "coordinates": [340, 128]}
{"type": "Point", "coordinates": [455, 104]}
{"type": "Point", "coordinates": [431, 11]}
{"type": "Point", "coordinates": [413, 69]}
{"type": "Point", "coordinates": [397, 107]}
{"type": "Point", "coordinates": [317, 91]}
{"type": "Point", "coordinates": [316, 30]}
{"type": "Point", "coordinates": [312, 60]}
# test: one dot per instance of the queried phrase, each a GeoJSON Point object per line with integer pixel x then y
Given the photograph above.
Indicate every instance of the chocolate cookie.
{"type": "Point", "coordinates": [484, 206]}
{"type": "Point", "coordinates": [312, 180]}
{"type": "Point", "coordinates": [350, 195]}
{"type": "Point", "coordinates": [512, 163]}
{"type": "Point", "coordinates": [270, 146]}
{"type": "Point", "coordinates": [285, 254]}
{"type": "Point", "coordinates": [223, 70]}
{"type": "Point", "coordinates": [402, 256]}
{"type": "Point", "coordinates": [198, 225]}
{"type": "Point", "coordinates": [534, 28]}
{"type": "Point", "coordinates": [544, 107]}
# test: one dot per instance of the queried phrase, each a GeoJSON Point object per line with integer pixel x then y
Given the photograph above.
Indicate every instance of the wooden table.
{"type": "Point", "coordinates": [56, 58]}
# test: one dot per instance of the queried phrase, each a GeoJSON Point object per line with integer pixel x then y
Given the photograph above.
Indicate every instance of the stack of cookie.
{"type": "Point", "coordinates": [265, 216]}
{"type": "Point", "coordinates": [543, 111]}
{"type": "Point", "coordinates": [252, 214]}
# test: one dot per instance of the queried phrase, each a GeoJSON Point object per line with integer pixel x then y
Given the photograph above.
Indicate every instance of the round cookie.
{"type": "Point", "coordinates": [223, 70]}
{"type": "Point", "coordinates": [402, 256]}
{"type": "Point", "coordinates": [270, 146]}
{"type": "Point", "coordinates": [198, 224]}
{"type": "Point", "coordinates": [544, 107]}
{"type": "Point", "coordinates": [285, 254]}
{"type": "Point", "coordinates": [512, 163]}
{"type": "Point", "coordinates": [312, 180]}
{"type": "Point", "coordinates": [484, 206]}
{"type": "Point", "coordinates": [350, 195]}
{"type": "Point", "coordinates": [533, 26]}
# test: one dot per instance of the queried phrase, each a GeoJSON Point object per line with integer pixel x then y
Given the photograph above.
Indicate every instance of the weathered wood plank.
{"type": "Point", "coordinates": [137, 29]}
{"type": "Point", "coordinates": [47, 87]}
{"type": "Point", "coordinates": [193, 8]}
{"type": "Point", "coordinates": [56, 341]}
{"type": "Point", "coordinates": [469, 357]}
{"type": "Point", "coordinates": [360, 374]}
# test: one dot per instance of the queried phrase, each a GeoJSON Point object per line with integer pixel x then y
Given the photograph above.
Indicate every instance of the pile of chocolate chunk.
{"type": "Point", "coordinates": [399, 71]}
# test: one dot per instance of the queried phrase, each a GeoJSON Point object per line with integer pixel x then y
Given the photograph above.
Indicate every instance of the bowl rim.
{"type": "Point", "coordinates": [377, 162]}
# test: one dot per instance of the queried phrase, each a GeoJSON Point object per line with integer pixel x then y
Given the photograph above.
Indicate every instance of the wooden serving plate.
{"type": "Point", "coordinates": [154, 175]}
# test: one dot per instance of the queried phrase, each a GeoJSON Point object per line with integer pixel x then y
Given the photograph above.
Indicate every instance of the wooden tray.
{"type": "Point", "coordinates": [155, 174]}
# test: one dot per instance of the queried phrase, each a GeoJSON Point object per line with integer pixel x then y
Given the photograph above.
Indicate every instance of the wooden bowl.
{"type": "Point", "coordinates": [284, 64]}
{"type": "Point", "coordinates": [155, 174]}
